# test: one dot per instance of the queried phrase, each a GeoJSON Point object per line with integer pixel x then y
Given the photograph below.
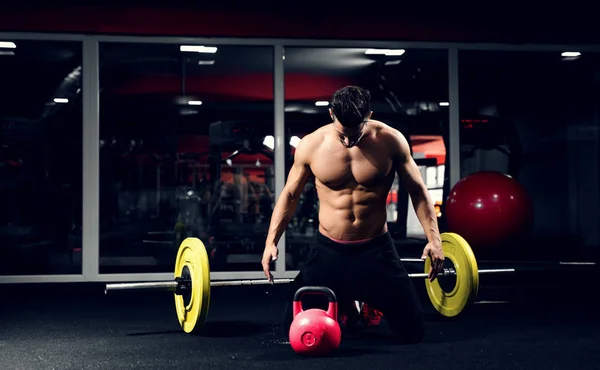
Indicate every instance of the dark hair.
{"type": "Point", "coordinates": [351, 105]}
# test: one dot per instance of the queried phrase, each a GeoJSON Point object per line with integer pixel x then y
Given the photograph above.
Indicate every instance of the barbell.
{"type": "Point", "coordinates": [192, 284]}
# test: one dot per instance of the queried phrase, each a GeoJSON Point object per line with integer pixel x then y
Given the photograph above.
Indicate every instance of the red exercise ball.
{"type": "Point", "coordinates": [489, 208]}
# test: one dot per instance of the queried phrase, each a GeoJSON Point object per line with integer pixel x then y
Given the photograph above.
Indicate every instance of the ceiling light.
{"type": "Point", "coordinates": [294, 141]}
{"type": "Point", "coordinates": [322, 103]}
{"type": "Point", "coordinates": [6, 52]}
{"type": "Point", "coordinates": [392, 62]}
{"type": "Point", "coordinates": [444, 104]}
{"type": "Point", "coordinates": [198, 49]}
{"type": "Point", "coordinates": [570, 54]}
{"type": "Point", "coordinates": [194, 102]}
{"type": "Point", "coordinates": [61, 100]}
{"type": "Point", "coordinates": [386, 52]}
{"type": "Point", "coordinates": [269, 142]}
{"type": "Point", "coordinates": [188, 112]}
{"type": "Point", "coordinates": [7, 45]}
{"type": "Point", "coordinates": [206, 62]}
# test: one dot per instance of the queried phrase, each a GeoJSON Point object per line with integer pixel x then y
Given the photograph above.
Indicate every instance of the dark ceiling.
{"type": "Point", "coordinates": [506, 22]}
{"type": "Point", "coordinates": [257, 59]}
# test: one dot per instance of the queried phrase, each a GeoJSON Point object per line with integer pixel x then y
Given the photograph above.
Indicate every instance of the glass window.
{"type": "Point", "coordinates": [534, 116]}
{"type": "Point", "coordinates": [409, 90]}
{"type": "Point", "coordinates": [40, 157]}
{"type": "Point", "coordinates": [185, 151]}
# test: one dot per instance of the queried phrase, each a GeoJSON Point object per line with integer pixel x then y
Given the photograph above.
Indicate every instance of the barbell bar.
{"type": "Point", "coordinates": [172, 286]}
{"type": "Point", "coordinates": [544, 263]}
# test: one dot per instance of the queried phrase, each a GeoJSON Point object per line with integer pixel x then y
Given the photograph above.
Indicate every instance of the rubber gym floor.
{"type": "Point", "coordinates": [550, 322]}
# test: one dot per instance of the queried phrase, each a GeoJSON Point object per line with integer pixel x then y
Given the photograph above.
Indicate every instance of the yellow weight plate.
{"type": "Point", "coordinates": [457, 250]}
{"type": "Point", "coordinates": [192, 260]}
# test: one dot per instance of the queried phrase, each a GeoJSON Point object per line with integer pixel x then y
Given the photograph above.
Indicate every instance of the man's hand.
{"type": "Point", "coordinates": [434, 251]}
{"type": "Point", "coordinates": [269, 255]}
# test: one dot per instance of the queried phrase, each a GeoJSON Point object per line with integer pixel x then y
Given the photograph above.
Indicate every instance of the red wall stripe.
{"type": "Point", "coordinates": [298, 86]}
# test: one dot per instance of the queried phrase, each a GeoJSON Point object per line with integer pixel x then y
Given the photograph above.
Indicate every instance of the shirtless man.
{"type": "Point", "coordinates": [354, 161]}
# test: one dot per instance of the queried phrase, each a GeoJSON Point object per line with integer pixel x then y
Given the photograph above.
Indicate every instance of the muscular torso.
{"type": "Point", "coordinates": [352, 184]}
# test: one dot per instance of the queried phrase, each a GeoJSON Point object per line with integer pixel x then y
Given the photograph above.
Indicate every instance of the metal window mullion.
{"type": "Point", "coordinates": [280, 144]}
{"type": "Point", "coordinates": [454, 119]}
{"type": "Point", "coordinates": [91, 162]}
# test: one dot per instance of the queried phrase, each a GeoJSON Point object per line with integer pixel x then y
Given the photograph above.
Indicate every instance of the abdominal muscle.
{"type": "Point", "coordinates": [351, 215]}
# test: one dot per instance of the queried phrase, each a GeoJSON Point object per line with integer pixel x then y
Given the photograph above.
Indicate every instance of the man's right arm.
{"type": "Point", "coordinates": [286, 205]}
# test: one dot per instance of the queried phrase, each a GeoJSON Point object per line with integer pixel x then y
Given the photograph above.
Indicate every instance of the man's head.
{"type": "Point", "coordinates": [350, 110]}
{"type": "Point", "coordinates": [351, 107]}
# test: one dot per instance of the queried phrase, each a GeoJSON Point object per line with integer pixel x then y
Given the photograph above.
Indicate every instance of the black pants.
{"type": "Point", "coordinates": [370, 272]}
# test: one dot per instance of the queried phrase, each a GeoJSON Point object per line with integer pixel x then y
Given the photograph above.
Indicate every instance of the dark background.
{"type": "Point", "coordinates": [525, 89]}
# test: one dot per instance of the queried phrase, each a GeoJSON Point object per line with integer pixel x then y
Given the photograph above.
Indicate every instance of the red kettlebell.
{"type": "Point", "coordinates": [315, 332]}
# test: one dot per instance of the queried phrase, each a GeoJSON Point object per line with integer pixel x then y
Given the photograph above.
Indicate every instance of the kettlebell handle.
{"type": "Point", "coordinates": [332, 309]}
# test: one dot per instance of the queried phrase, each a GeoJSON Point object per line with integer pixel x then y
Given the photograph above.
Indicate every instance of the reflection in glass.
{"type": "Point", "coordinates": [534, 116]}
{"type": "Point", "coordinates": [40, 157]}
{"type": "Point", "coordinates": [185, 152]}
{"type": "Point", "coordinates": [409, 90]}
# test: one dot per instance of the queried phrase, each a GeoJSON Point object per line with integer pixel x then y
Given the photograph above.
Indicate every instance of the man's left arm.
{"type": "Point", "coordinates": [411, 178]}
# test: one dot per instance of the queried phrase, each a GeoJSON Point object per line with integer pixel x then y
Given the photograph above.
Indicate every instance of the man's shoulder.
{"type": "Point", "coordinates": [392, 138]}
{"type": "Point", "coordinates": [309, 143]}
{"type": "Point", "coordinates": [313, 138]}
{"type": "Point", "coordinates": [386, 131]}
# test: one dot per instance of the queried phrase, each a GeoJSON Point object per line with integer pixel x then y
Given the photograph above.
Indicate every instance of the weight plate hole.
{"type": "Point", "coordinates": [187, 293]}
{"type": "Point", "coordinates": [447, 283]}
